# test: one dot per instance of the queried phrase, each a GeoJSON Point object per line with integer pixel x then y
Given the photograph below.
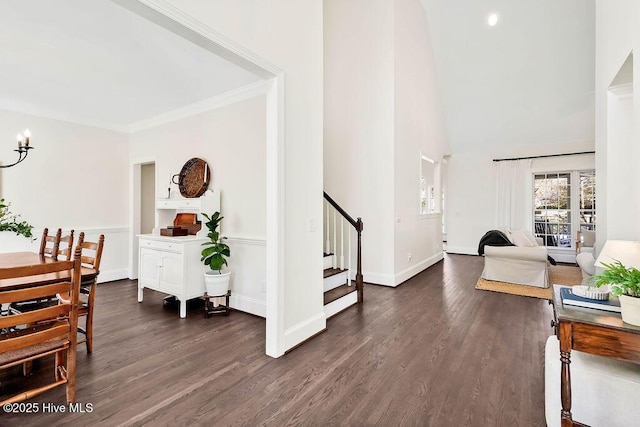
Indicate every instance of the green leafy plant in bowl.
{"type": "Point", "coordinates": [621, 279]}
{"type": "Point", "coordinates": [624, 283]}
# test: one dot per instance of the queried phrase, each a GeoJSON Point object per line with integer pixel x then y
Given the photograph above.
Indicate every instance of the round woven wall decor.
{"type": "Point", "coordinates": [193, 179]}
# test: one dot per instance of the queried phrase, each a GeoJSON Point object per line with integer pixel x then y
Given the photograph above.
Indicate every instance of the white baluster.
{"type": "Point", "coordinates": [328, 243]}
{"type": "Point", "coordinates": [349, 274]}
{"type": "Point", "coordinates": [335, 230]}
{"type": "Point", "coordinates": [342, 244]}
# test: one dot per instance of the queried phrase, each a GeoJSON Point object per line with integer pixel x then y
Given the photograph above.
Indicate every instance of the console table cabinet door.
{"type": "Point", "coordinates": [171, 273]}
{"type": "Point", "coordinates": [149, 267]}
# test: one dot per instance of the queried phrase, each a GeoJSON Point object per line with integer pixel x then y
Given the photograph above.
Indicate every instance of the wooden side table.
{"type": "Point", "coordinates": [209, 309]}
{"type": "Point", "coordinates": [591, 331]}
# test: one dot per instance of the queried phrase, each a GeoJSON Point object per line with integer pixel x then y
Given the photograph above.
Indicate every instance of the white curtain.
{"type": "Point", "coordinates": [514, 194]}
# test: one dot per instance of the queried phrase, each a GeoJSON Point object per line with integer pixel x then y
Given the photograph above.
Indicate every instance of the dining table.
{"type": "Point", "coordinates": [22, 259]}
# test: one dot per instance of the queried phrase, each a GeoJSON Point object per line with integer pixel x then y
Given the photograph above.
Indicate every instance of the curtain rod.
{"type": "Point", "coordinates": [548, 155]}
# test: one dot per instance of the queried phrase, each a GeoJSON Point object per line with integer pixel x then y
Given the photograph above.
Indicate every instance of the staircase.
{"type": "Point", "coordinates": [341, 232]}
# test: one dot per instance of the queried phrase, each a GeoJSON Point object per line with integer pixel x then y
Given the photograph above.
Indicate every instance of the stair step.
{"type": "Point", "coordinates": [339, 292]}
{"type": "Point", "coordinates": [340, 304]}
{"type": "Point", "coordinates": [327, 261]}
{"type": "Point", "coordinates": [333, 278]}
{"type": "Point", "coordinates": [328, 272]}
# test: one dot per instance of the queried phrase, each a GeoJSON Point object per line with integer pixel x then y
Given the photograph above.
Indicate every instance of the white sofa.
{"type": "Point", "coordinates": [524, 264]}
{"type": "Point", "coordinates": [604, 392]}
{"type": "Point", "coordinates": [514, 264]}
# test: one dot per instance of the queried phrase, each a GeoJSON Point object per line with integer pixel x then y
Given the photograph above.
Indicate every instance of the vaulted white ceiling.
{"type": "Point", "coordinates": [528, 80]}
{"type": "Point", "coordinates": [95, 62]}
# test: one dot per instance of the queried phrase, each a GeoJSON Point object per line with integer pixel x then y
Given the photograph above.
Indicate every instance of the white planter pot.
{"type": "Point", "coordinates": [630, 309]}
{"type": "Point", "coordinates": [217, 284]}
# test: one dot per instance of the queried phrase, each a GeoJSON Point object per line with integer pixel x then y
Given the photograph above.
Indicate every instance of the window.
{"type": "Point", "coordinates": [588, 200]}
{"type": "Point", "coordinates": [563, 201]}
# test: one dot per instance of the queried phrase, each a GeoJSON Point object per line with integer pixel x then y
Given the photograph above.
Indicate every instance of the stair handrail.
{"type": "Point", "coordinates": [341, 211]}
{"type": "Point", "coordinates": [359, 226]}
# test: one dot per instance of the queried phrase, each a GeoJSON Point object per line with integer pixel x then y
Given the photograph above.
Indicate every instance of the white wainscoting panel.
{"type": "Point", "coordinates": [115, 256]}
{"type": "Point", "coordinates": [248, 265]}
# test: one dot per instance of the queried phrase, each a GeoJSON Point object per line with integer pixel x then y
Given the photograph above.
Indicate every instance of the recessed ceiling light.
{"type": "Point", "coordinates": [493, 19]}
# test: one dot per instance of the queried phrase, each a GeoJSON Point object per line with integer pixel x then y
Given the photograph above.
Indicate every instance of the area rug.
{"type": "Point", "coordinates": [558, 275]}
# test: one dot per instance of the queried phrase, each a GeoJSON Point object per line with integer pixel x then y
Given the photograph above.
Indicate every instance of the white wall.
{"type": "Point", "coordinates": [617, 35]}
{"type": "Point", "coordinates": [75, 178]}
{"type": "Point", "coordinates": [470, 203]}
{"type": "Point", "coordinates": [381, 109]}
{"type": "Point", "coordinates": [472, 183]}
{"type": "Point", "coordinates": [232, 140]}
{"type": "Point", "coordinates": [358, 117]}
{"type": "Point", "coordinates": [418, 128]}
{"type": "Point", "coordinates": [622, 157]}
{"type": "Point", "coordinates": [288, 33]}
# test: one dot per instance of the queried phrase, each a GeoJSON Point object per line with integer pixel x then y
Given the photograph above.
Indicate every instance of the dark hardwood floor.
{"type": "Point", "coordinates": [432, 352]}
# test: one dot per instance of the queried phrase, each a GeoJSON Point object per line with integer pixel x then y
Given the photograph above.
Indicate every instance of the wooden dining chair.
{"type": "Point", "coordinates": [91, 256]}
{"type": "Point", "coordinates": [56, 247]}
{"type": "Point", "coordinates": [49, 244]}
{"type": "Point", "coordinates": [52, 330]}
{"type": "Point", "coordinates": [65, 247]}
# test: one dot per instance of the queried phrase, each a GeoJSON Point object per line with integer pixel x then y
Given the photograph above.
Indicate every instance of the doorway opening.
{"type": "Point", "coordinates": [190, 29]}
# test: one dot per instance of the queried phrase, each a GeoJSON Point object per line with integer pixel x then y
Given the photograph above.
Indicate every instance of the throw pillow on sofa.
{"type": "Point", "coordinates": [520, 238]}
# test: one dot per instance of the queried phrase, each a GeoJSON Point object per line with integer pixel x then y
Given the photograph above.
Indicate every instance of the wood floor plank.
{"type": "Point", "coordinates": [431, 352]}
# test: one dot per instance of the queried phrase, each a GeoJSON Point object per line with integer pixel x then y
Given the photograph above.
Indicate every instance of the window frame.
{"type": "Point", "coordinates": [574, 204]}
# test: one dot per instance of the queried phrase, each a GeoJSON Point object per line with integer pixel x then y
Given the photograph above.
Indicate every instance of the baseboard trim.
{"type": "Point", "coordinates": [408, 273]}
{"type": "Point", "coordinates": [112, 275]}
{"type": "Point", "coordinates": [375, 278]}
{"type": "Point", "coordinates": [462, 250]}
{"type": "Point", "coordinates": [248, 305]}
{"type": "Point", "coordinates": [304, 330]}
{"type": "Point", "coordinates": [391, 280]}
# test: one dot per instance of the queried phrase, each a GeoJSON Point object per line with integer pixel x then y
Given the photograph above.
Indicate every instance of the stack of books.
{"type": "Point", "coordinates": [568, 298]}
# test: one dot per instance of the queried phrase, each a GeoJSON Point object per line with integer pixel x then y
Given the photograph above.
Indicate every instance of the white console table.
{"type": "Point", "coordinates": [172, 264]}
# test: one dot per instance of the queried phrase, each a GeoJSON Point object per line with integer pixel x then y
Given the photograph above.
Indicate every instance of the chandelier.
{"type": "Point", "coordinates": [23, 148]}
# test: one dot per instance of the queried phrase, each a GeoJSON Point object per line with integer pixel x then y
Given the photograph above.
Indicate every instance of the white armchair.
{"type": "Point", "coordinates": [585, 241]}
{"type": "Point", "coordinates": [586, 262]}
{"type": "Point", "coordinates": [603, 391]}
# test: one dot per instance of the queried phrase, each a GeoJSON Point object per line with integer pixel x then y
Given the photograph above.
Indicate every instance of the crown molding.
{"type": "Point", "coordinates": [63, 117]}
{"type": "Point", "coordinates": [218, 101]}
{"type": "Point", "coordinates": [226, 98]}
{"type": "Point", "coordinates": [622, 91]}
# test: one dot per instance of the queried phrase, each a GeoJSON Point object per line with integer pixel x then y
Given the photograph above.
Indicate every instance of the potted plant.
{"type": "Point", "coordinates": [11, 222]}
{"type": "Point", "coordinates": [214, 256]}
{"type": "Point", "coordinates": [624, 282]}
